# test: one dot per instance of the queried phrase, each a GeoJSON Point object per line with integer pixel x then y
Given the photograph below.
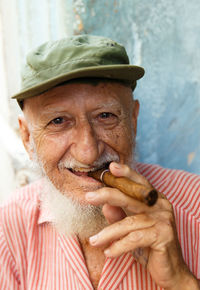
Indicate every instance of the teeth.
{"type": "Point", "coordinates": [81, 169]}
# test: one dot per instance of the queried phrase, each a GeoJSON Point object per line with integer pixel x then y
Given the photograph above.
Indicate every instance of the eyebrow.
{"type": "Point", "coordinates": [52, 109]}
{"type": "Point", "coordinates": [108, 104]}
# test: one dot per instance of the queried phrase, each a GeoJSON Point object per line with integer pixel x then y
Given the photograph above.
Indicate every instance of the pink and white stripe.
{"type": "Point", "coordinates": [34, 256]}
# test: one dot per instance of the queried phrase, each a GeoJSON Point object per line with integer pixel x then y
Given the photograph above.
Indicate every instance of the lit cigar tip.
{"type": "Point", "coordinates": [151, 197]}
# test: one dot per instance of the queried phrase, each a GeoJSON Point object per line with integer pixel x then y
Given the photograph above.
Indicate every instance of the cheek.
{"type": "Point", "coordinates": [51, 148]}
{"type": "Point", "coordinates": [121, 139]}
{"type": "Point", "coordinates": [125, 140]}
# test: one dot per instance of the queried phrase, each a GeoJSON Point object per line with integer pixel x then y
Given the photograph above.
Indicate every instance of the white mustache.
{"type": "Point", "coordinates": [73, 164]}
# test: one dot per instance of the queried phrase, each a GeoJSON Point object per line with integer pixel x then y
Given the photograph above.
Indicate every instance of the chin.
{"type": "Point", "coordinates": [70, 214]}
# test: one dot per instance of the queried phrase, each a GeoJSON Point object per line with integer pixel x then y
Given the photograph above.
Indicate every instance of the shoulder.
{"type": "Point", "coordinates": [21, 208]}
{"type": "Point", "coordinates": [180, 187]}
{"type": "Point", "coordinates": [18, 223]}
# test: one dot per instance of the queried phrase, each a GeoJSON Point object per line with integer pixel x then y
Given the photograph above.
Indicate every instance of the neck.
{"type": "Point", "coordinates": [95, 259]}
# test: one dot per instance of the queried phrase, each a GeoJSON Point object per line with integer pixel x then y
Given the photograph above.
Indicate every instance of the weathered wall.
{"type": "Point", "coordinates": [164, 37]}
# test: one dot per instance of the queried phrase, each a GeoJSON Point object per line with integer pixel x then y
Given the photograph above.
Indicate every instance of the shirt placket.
{"type": "Point", "coordinates": [114, 271]}
{"type": "Point", "coordinates": [74, 256]}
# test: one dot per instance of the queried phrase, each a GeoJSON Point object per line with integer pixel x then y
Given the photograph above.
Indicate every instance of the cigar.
{"type": "Point", "coordinates": [136, 190]}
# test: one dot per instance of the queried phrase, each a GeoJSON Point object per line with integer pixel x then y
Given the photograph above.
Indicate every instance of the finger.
{"type": "Point", "coordinates": [164, 216]}
{"type": "Point", "coordinates": [115, 197]}
{"type": "Point", "coordinates": [137, 239]}
{"type": "Point", "coordinates": [162, 203]}
{"type": "Point", "coordinates": [119, 170]}
{"type": "Point", "coordinates": [120, 229]}
{"type": "Point", "coordinates": [158, 237]}
{"type": "Point", "coordinates": [113, 213]}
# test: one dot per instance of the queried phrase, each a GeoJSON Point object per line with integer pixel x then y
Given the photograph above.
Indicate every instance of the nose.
{"type": "Point", "coordinates": [86, 147]}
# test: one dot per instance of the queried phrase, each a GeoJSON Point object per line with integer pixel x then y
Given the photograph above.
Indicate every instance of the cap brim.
{"type": "Point", "coordinates": [129, 73]}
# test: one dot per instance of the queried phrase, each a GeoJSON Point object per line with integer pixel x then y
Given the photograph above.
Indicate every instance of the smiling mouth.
{"type": "Point", "coordinates": [81, 171]}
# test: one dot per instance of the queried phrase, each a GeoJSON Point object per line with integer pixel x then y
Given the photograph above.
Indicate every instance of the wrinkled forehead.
{"type": "Point", "coordinates": [101, 93]}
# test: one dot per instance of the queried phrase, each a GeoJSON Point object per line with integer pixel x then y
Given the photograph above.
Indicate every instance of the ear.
{"type": "Point", "coordinates": [136, 107]}
{"type": "Point", "coordinates": [25, 135]}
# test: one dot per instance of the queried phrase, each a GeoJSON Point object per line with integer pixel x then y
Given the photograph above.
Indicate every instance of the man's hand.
{"type": "Point", "coordinates": [148, 232]}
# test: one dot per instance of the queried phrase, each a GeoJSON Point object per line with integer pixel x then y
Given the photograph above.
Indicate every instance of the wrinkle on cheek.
{"type": "Point", "coordinates": [39, 140]}
{"type": "Point", "coordinates": [35, 136]}
{"type": "Point", "coordinates": [51, 148]}
{"type": "Point", "coordinates": [40, 132]}
{"type": "Point", "coordinates": [39, 136]}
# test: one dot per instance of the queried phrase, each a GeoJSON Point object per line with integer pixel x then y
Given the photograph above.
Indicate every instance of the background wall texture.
{"type": "Point", "coordinates": [162, 36]}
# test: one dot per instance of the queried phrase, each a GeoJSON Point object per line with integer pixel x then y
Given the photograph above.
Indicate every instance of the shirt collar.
{"type": "Point", "coordinates": [44, 215]}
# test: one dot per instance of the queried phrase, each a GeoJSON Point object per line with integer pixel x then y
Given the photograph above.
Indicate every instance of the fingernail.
{"type": "Point", "coordinates": [93, 239]}
{"type": "Point", "coordinates": [107, 253]}
{"type": "Point", "coordinates": [90, 195]}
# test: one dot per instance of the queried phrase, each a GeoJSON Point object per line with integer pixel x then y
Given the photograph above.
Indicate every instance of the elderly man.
{"type": "Point", "coordinates": [68, 230]}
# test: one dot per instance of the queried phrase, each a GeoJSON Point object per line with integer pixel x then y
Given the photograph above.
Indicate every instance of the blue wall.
{"type": "Point", "coordinates": [164, 37]}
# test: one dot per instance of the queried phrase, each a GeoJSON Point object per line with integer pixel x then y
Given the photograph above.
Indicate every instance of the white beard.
{"type": "Point", "coordinates": [68, 216]}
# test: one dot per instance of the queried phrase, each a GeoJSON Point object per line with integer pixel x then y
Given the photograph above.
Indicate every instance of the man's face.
{"type": "Point", "coordinates": [76, 128]}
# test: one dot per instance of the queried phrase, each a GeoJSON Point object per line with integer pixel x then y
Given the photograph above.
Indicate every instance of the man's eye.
{"type": "Point", "coordinates": [106, 115]}
{"type": "Point", "coordinates": [57, 121]}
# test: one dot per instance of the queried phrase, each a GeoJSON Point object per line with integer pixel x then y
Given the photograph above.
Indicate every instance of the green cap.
{"type": "Point", "coordinates": [75, 57]}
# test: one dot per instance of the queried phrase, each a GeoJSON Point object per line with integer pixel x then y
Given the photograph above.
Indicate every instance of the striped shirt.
{"type": "Point", "coordinates": [34, 256]}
